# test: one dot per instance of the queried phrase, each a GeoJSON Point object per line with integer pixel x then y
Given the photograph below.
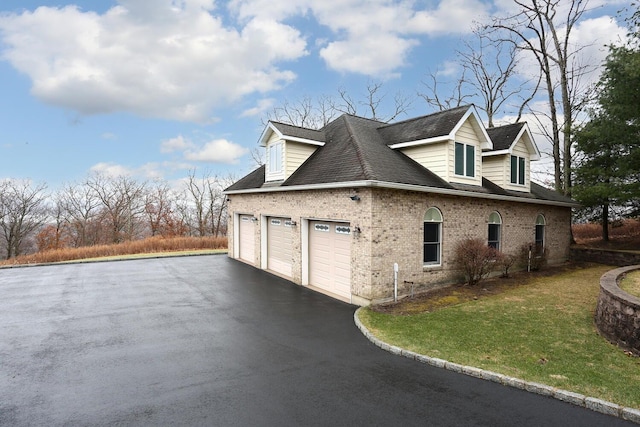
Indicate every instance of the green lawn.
{"type": "Point", "coordinates": [541, 331]}
{"type": "Point", "coordinates": [631, 283]}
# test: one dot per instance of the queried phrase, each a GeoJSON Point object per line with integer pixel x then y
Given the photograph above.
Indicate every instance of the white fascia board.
{"type": "Point", "coordinates": [405, 187]}
{"type": "Point", "coordinates": [302, 140]}
{"type": "Point", "coordinates": [496, 153]}
{"type": "Point", "coordinates": [487, 144]}
{"type": "Point", "coordinates": [433, 140]}
{"type": "Point", "coordinates": [266, 133]}
{"type": "Point", "coordinates": [535, 155]}
{"type": "Point", "coordinates": [270, 128]}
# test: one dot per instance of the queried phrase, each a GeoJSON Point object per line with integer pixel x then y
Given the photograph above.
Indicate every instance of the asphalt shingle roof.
{"type": "Point", "coordinates": [299, 132]}
{"type": "Point", "coordinates": [357, 149]}
{"type": "Point", "coordinates": [503, 136]}
{"type": "Point", "coordinates": [431, 126]}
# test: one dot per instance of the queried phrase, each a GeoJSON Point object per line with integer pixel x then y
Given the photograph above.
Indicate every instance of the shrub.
{"type": "Point", "coordinates": [505, 262]}
{"type": "Point", "coordinates": [475, 259]}
{"type": "Point", "coordinates": [538, 257]}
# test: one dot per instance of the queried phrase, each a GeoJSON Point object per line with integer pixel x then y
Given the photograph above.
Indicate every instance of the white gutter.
{"type": "Point", "coordinates": [406, 187]}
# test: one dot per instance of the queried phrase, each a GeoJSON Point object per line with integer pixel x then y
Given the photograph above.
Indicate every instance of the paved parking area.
{"type": "Point", "coordinates": [209, 341]}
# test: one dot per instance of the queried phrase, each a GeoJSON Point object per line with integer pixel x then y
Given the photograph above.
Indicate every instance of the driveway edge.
{"type": "Point", "coordinates": [133, 257]}
{"type": "Point", "coordinates": [592, 403]}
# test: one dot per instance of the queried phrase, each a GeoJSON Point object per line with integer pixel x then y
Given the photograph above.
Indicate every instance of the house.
{"type": "Point", "coordinates": [334, 209]}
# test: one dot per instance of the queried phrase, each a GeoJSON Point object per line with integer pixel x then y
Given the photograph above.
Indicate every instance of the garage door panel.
{"type": "Point", "coordinates": [247, 239]}
{"type": "Point", "coordinates": [279, 252]}
{"type": "Point", "coordinates": [330, 257]}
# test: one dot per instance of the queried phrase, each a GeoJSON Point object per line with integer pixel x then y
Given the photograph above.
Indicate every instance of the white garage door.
{"type": "Point", "coordinates": [247, 246]}
{"type": "Point", "coordinates": [279, 255]}
{"type": "Point", "coordinates": [330, 257]}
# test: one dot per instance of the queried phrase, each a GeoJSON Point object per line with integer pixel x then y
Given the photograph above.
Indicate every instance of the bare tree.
{"type": "Point", "coordinates": [435, 97]}
{"type": "Point", "coordinates": [489, 74]}
{"type": "Point", "coordinates": [197, 192]}
{"type": "Point", "coordinates": [305, 112]}
{"type": "Point", "coordinates": [316, 113]}
{"type": "Point", "coordinates": [543, 28]}
{"type": "Point", "coordinates": [22, 212]}
{"type": "Point", "coordinates": [80, 207]}
{"type": "Point", "coordinates": [121, 203]}
{"type": "Point", "coordinates": [158, 209]}
{"type": "Point", "coordinates": [372, 103]}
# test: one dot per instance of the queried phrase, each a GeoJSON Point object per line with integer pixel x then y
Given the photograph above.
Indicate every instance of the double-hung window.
{"type": "Point", "coordinates": [432, 250]}
{"type": "Point", "coordinates": [517, 170]}
{"type": "Point", "coordinates": [465, 159]}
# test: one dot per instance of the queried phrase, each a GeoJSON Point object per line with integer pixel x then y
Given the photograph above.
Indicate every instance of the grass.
{"type": "Point", "coordinates": [631, 283]}
{"type": "Point", "coordinates": [136, 248]}
{"type": "Point", "coordinates": [540, 331]}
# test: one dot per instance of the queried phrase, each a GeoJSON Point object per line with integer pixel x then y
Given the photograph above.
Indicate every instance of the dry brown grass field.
{"type": "Point", "coordinates": [151, 245]}
{"type": "Point", "coordinates": [623, 235]}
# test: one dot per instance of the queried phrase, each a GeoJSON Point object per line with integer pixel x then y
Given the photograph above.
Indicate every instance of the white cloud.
{"type": "Point", "coordinates": [168, 59]}
{"type": "Point", "coordinates": [370, 37]}
{"type": "Point", "coordinates": [179, 143]}
{"type": "Point", "coordinates": [262, 106]}
{"type": "Point", "coordinates": [111, 169]}
{"type": "Point", "coordinates": [217, 151]}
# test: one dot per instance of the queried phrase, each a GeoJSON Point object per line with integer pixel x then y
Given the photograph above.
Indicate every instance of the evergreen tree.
{"type": "Point", "coordinates": [609, 144]}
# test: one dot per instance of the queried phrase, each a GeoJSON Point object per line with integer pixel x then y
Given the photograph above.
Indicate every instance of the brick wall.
{"type": "Point", "coordinates": [392, 231]}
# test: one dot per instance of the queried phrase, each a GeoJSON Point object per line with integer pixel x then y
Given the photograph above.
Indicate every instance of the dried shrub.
{"type": "Point", "coordinates": [149, 245]}
{"type": "Point", "coordinates": [475, 259]}
{"type": "Point", "coordinates": [505, 262]}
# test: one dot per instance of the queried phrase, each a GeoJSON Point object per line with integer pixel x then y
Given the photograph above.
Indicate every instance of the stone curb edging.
{"type": "Point", "coordinates": [592, 403]}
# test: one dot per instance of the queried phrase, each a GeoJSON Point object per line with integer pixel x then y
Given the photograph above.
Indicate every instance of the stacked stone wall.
{"type": "Point", "coordinates": [618, 313]}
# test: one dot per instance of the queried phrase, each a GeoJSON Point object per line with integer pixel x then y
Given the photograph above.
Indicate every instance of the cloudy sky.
{"type": "Point", "coordinates": [157, 88]}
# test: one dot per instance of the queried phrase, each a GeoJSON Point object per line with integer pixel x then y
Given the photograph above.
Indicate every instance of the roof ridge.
{"type": "Point", "coordinates": [364, 163]}
{"type": "Point", "coordinates": [435, 113]}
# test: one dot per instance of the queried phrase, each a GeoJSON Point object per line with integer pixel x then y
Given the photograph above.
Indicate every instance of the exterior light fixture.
{"type": "Point", "coordinates": [355, 198]}
{"type": "Point", "coordinates": [356, 231]}
{"type": "Point", "coordinates": [293, 223]}
{"type": "Point", "coordinates": [254, 219]}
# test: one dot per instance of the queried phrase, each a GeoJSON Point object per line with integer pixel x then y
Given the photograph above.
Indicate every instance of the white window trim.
{"type": "Point", "coordinates": [272, 173]}
{"type": "Point", "coordinates": [439, 263]}
{"type": "Point", "coordinates": [464, 161]}
{"type": "Point", "coordinates": [524, 183]}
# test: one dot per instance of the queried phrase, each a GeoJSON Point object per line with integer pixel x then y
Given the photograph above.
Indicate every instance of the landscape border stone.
{"type": "Point", "coordinates": [591, 403]}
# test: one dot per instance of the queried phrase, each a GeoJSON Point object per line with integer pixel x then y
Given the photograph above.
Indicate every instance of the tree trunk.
{"type": "Point", "coordinates": [605, 222]}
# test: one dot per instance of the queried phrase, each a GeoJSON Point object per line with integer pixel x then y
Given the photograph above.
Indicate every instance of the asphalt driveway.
{"type": "Point", "coordinates": [209, 341]}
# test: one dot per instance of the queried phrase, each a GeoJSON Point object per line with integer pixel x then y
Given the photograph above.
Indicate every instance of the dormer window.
{"type": "Point", "coordinates": [517, 170]}
{"type": "Point", "coordinates": [465, 160]}
{"type": "Point", "coordinates": [275, 158]}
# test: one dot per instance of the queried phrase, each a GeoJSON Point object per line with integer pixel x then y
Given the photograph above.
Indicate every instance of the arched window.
{"type": "Point", "coordinates": [431, 254]}
{"type": "Point", "coordinates": [540, 223]}
{"type": "Point", "coordinates": [495, 222]}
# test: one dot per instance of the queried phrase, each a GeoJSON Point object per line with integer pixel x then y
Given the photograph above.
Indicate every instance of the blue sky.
{"type": "Point", "coordinates": [155, 89]}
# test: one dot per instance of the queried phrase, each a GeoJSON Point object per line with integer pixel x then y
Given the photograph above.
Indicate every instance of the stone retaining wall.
{"type": "Point", "coordinates": [618, 313]}
{"type": "Point", "coordinates": [602, 256]}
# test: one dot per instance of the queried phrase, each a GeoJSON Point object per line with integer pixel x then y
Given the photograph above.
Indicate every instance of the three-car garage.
{"type": "Point", "coordinates": [325, 263]}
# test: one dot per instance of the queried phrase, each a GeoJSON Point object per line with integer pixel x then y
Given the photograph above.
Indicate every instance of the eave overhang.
{"type": "Point", "coordinates": [406, 187]}
{"type": "Point", "coordinates": [271, 128]}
